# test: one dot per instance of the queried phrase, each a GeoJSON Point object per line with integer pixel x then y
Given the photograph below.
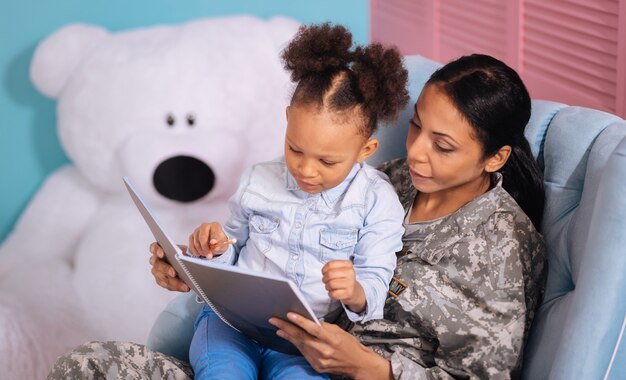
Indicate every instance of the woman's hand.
{"type": "Point", "coordinates": [330, 349]}
{"type": "Point", "coordinates": [208, 240]}
{"type": "Point", "coordinates": [163, 273]}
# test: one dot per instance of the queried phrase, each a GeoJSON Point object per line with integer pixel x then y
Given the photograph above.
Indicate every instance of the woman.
{"type": "Point", "coordinates": [472, 268]}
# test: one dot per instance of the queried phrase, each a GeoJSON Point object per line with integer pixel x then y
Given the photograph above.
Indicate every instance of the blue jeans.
{"type": "Point", "coordinates": [219, 352]}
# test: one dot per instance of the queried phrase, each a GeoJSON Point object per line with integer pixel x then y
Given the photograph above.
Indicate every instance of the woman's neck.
{"type": "Point", "coordinates": [430, 206]}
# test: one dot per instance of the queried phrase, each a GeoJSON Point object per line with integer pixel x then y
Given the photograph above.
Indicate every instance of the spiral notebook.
{"type": "Point", "coordinates": [243, 299]}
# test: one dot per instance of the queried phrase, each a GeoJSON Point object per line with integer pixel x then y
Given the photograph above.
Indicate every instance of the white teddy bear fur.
{"type": "Point", "coordinates": [75, 268]}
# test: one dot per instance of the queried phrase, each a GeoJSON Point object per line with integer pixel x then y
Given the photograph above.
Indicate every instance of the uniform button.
{"type": "Point", "coordinates": [338, 244]}
{"type": "Point", "coordinates": [298, 225]}
{"type": "Point", "coordinates": [295, 257]}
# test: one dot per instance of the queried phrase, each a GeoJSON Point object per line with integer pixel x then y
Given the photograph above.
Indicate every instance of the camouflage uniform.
{"type": "Point", "coordinates": [459, 306]}
{"type": "Point", "coordinates": [472, 287]}
{"type": "Point", "coordinates": [118, 360]}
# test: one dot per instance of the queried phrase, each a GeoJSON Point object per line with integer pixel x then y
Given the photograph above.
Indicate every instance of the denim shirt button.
{"type": "Point", "coordinates": [298, 225]}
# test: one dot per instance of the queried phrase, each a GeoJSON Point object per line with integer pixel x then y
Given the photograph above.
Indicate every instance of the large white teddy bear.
{"type": "Point", "coordinates": [182, 110]}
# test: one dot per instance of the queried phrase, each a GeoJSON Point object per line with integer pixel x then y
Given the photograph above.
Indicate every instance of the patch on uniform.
{"type": "Point", "coordinates": [396, 286]}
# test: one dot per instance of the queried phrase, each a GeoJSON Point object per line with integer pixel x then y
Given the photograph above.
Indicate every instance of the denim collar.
{"type": "Point", "coordinates": [330, 196]}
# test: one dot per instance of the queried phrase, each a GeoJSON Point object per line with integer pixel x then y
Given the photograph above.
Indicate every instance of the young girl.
{"type": "Point", "coordinates": [319, 215]}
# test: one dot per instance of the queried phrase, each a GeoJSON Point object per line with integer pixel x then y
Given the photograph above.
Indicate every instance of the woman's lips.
{"type": "Point", "coordinates": [417, 176]}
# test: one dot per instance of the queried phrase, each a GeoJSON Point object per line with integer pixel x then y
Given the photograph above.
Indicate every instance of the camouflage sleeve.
{"type": "Point", "coordinates": [118, 360]}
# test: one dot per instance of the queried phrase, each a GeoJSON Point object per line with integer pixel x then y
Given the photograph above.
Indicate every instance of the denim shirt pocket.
{"type": "Point", "coordinates": [337, 244]}
{"type": "Point", "coordinates": [261, 228]}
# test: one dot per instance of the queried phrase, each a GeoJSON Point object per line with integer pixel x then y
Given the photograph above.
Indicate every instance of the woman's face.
{"type": "Point", "coordinates": [443, 155]}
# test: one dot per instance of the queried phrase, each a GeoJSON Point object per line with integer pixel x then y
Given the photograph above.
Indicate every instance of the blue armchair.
{"type": "Point", "coordinates": [579, 329]}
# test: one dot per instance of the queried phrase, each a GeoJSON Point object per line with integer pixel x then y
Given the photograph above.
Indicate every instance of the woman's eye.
{"type": "Point", "coordinates": [443, 149]}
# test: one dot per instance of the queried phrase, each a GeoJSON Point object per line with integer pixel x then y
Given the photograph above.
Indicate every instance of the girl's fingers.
{"type": "Point", "coordinates": [192, 245]}
{"type": "Point", "coordinates": [337, 265]}
{"type": "Point", "coordinates": [204, 234]}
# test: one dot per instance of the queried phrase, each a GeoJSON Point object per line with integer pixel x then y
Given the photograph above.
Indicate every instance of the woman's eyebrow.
{"type": "Point", "coordinates": [446, 136]}
{"type": "Point", "coordinates": [416, 115]}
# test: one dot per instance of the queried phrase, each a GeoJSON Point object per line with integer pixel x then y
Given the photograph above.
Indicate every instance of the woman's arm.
{"type": "Point", "coordinates": [330, 349]}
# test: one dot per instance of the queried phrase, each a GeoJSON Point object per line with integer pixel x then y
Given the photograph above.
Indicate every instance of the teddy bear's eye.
{"type": "Point", "coordinates": [191, 120]}
{"type": "Point", "coordinates": [170, 120]}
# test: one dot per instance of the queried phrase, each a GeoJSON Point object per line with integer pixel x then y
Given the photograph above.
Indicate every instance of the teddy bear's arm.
{"type": "Point", "coordinates": [53, 221]}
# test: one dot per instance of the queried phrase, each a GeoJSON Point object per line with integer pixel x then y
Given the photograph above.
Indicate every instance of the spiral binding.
{"type": "Point", "coordinates": [204, 297]}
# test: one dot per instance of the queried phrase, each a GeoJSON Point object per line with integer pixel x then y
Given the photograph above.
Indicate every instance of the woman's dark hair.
{"type": "Point", "coordinates": [331, 74]}
{"type": "Point", "coordinates": [493, 99]}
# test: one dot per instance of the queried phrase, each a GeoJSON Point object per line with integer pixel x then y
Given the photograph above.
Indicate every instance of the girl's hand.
{"type": "Point", "coordinates": [163, 273]}
{"type": "Point", "coordinates": [340, 280]}
{"type": "Point", "coordinates": [208, 240]}
{"type": "Point", "coordinates": [330, 349]}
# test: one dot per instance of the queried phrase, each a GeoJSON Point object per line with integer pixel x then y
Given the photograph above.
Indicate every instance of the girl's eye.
{"type": "Point", "coordinates": [293, 150]}
{"type": "Point", "coordinates": [328, 163]}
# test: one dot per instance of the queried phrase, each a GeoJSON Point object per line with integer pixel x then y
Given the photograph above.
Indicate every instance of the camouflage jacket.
{"type": "Point", "coordinates": [473, 286]}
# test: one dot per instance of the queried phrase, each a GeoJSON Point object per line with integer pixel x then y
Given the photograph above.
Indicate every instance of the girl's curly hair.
{"type": "Point", "coordinates": [331, 74]}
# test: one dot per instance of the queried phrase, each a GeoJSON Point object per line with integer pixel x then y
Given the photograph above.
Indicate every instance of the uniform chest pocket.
{"type": "Point", "coordinates": [337, 244]}
{"type": "Point", "coordinates": [261, 229]}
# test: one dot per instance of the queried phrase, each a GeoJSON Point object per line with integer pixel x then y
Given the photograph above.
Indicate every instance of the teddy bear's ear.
{"type": "Point", "coordinates": [282, 30]}
{"type": "Point", "coordinates": [59, 54]}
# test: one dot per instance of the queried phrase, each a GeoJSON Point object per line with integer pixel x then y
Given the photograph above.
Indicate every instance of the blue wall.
{"type": "Point", "coordinates": [29, 147]}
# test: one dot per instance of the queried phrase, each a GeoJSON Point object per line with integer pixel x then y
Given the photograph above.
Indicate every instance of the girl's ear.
{"type": "Point", "coordinates": [497, 161]}
{"type": "Point", "coordinates": [370, 147]}
{"type": "Point", "coordinates": [287, 113]}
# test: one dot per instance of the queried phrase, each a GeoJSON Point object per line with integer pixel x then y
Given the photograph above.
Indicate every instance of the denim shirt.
{"type": "Point", "coordinates": [283, 230]}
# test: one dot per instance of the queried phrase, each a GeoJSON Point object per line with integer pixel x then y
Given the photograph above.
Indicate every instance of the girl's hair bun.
{"type": "Point", "coordinates": [382, 80]}
{"type": "Point", "coordinates": [317, 49]}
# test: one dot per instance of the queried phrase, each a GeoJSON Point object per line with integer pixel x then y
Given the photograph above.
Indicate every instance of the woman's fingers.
{"type": "Point", "coordinates": [298, 324]}
{"type": "Point", "coordinates": [155, 249]}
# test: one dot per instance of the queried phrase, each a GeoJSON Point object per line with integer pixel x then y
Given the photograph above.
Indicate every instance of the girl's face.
{"type": "Point", "coordinates": [443, 155]}
{"type": "Point", "coordinates": [322, 147]}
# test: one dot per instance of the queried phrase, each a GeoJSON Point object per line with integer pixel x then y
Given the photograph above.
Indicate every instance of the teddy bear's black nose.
{"type": "Point", "coordinates": [183, 178]}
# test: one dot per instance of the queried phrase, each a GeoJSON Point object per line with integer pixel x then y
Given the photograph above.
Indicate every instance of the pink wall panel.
{"type": "Point", "coordinates": [569, 53]}
{"type": "Point", "coordinates": [572, 51]}
{"type": "Point", "coordinates": [413, 25]}
{"type": "Point", "coordinates": [477, 26]}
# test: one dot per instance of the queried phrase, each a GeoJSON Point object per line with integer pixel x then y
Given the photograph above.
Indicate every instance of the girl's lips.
{"type": "Point", "coordinates": [306, 185]}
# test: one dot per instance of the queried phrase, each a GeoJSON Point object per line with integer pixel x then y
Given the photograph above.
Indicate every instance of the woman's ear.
{"type": "Point", "coordinates": [497, 161]}
{"type": "Point", "coordinates": [370, 147]}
